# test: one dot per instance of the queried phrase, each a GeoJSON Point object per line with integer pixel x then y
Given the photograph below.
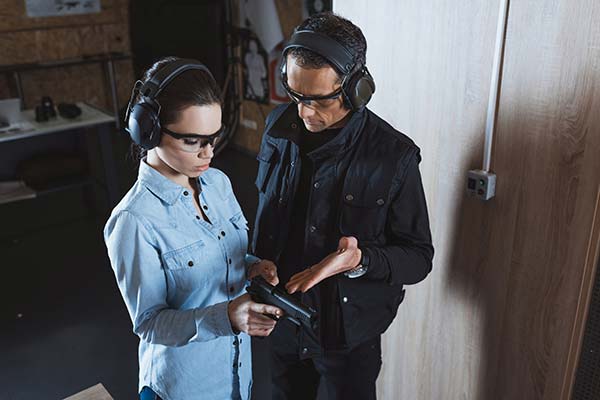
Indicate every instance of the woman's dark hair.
{"type": "Point", "coordinates": [338, 28]}
{"type": "Point", "coordinates": [190, 88]}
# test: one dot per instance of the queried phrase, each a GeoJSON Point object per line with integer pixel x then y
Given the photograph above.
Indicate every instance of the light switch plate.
{"type": "Point", "coordinates": [481, 184]}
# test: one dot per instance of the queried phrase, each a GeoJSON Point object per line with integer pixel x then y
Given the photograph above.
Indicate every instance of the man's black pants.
{"type": "Point", "coordinates": [346, 375]}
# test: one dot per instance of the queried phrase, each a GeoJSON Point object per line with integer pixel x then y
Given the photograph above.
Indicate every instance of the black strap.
{"type": "Point", "coordinates": [163, 76]}
{"type": "Point", "coordinates": [324, 46]}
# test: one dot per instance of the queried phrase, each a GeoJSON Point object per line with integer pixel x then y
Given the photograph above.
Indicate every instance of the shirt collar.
{"type": "Point", "coordinates": [160, 185]}
{"type": "Point", "coordinates": [289, 126]}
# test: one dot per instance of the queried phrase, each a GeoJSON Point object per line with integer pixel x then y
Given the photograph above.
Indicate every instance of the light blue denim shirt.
{"type": "Point", "coordinates": [177, 273]}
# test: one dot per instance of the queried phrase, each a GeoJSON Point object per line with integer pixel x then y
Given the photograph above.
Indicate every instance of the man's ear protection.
{"type": "Point", "coordinates": [357, 83]}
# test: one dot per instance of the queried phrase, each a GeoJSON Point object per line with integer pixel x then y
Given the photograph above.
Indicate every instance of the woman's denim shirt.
{"type": "Point", "coordinates": [177, 274]}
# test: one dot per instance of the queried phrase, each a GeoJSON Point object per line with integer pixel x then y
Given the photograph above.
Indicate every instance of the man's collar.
{"type": "Point", "coordinates": [290, 126]}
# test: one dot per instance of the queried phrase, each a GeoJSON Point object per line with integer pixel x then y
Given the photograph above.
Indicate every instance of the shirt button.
{"type": "Point", "coordinates": [240, 364]}
{"type": "Point", "coordinates": [240, 340]}
{"type": "Point", "coordinates": [229, 261]}
{"type": "Point", "coordinates": [222, 233]}
{"type": "Point", "coordinates": [197, 217]}
{"type": "Point", "coordinates": [205, 207]}
{"type": "Point", "coordinates": [294, 126]}
{"type": "Point", "coordinates": [185, 193]}
{"type": "Point", "coordinates": [304, 350]}
{"type": "Point", "coordinates": [313, 229]}
{"type": "Point", "coordinates": [345, 299]}
{"type": "Point", "coordinates": [190, 263]}
{"type": "Point", "coordinates": [349, 197]}
{"type": "Point", "coordinates": [317, 185]}
{"type": "Point", "coordinates": [380, 202]}
{"type": "Point", "coordinates": [231, 289]}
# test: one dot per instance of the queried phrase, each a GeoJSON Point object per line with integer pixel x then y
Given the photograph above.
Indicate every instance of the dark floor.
{"type": "Point", "coordinates": [64, 326]}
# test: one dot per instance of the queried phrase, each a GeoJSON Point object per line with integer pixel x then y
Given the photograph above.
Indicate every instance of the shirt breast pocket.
{"type": "Point", "coordinates": [188, 266]}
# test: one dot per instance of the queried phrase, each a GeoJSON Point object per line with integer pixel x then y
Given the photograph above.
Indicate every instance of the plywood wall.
{"type": "Point", "coordinates": [30, 40]}
{"type": "Point", "coordinates": [495, 319]}
{"type": "Point", "coordinates": [27, 40]}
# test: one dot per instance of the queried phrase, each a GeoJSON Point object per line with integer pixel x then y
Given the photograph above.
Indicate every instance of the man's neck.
{"type": "Point", "coordinates": [342, 122]}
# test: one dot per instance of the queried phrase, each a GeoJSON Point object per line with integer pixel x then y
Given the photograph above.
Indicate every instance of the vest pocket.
{"type": "Point", "coordinates": [362, 217]}
{"type": "Point", "coordinates": [265, 167]}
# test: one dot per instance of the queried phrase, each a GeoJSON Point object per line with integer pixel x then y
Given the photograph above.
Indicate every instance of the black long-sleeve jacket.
{"type": "Point", "coordinates": [367, 184]}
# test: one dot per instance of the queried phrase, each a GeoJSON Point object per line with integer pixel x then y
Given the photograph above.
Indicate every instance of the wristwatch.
{"type": "Point", "coordinates": [361, 268]}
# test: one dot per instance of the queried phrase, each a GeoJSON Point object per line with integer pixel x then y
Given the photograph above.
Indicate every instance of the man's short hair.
{"type": "Point", "coordinates": [338, 28]}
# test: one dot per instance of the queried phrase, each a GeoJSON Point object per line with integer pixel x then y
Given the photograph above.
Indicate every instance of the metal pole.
{"type": "Point", "coordinates": [19, 85]}
{"type": "Point", "coordinates": [110, 68]}
{"type": "Point", "coordinates": [492, 111]}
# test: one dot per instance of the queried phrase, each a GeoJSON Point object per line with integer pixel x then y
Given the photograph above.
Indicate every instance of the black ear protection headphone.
{"type": "Point", "coordinates": [142, 119]}
{"type": "Point", "coordinates": [357, 83]}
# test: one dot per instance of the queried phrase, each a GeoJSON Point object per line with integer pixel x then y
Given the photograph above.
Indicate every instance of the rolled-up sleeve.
{"type": "Point", "coordinates": [136, 262]}
{"type": "Point", "coordinates": [250, 259]}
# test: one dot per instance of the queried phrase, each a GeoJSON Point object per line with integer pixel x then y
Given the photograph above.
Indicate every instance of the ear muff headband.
{"type": "Point", "coordinates": [165, 75]}
{"type": "Point", "coordinates": [326, 47]}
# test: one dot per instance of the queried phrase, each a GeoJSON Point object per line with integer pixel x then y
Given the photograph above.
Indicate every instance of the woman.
{"type": "Point", "coordinates": [177, 244]}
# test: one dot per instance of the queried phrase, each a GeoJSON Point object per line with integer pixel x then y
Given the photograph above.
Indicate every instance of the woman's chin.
{"type": "Point", "coordinates": [196, 172]}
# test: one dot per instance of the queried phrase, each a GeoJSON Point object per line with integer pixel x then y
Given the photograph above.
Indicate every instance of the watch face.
{"type": "Point", "coordinates": [360, 270]}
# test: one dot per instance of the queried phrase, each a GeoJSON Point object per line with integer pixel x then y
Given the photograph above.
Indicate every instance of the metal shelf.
{"type": "Point", "coordinates": [55, 187]}
{"type": "Point", "coordinates": [107, 59]}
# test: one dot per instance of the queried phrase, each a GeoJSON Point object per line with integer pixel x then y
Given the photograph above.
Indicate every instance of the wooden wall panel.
{"type": "Point", "coordinates": [549, 120]}
{"type": "Point", "coordinates": [432, 84]}
{"type": "Point", "coordinates": [290, 15]}
{"type": "Point", "coordinates": [77, 83]}
{"type": "Point", "coordinates": [13, 16]}
{"type": "Point", "coordinates": [30, 40]}
{"type": "Point", "coordinates": [496, 317]}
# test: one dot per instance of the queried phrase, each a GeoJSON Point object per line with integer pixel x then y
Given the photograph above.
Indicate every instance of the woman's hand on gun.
{"type": "Point", "coordinates": [247, 316]}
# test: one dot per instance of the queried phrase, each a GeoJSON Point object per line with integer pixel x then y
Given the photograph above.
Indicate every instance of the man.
{"type": "Point", "coordinates": [341, 211]}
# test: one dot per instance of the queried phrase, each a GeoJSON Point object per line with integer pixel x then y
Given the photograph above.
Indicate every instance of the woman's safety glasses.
{"type": "Point", "coordinates": [193, 142]}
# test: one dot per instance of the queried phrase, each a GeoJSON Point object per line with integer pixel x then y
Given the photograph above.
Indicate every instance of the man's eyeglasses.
{"type": "Point", "coordinates": [323, 101]}
{"type": "Point", "coordinates": [193, 142]}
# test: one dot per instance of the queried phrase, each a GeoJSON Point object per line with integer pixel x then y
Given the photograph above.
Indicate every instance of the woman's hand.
{"type": "Point", "coordinates": [267, 269]}
{"type": "Point", "coordinates": [247, 316]}
{"type": "Point", "coordinates": [347, 257]}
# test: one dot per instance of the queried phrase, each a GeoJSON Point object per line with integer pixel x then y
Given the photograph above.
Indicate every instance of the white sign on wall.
{"type": "Point", "coordinates": [51, 8]}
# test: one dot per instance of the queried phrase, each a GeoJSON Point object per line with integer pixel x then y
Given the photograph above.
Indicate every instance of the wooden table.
{"type": "Point", "coordinates": [97, 392]}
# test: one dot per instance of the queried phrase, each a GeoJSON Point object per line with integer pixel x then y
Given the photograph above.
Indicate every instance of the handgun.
{"type": "Point", "coordinates": [295, 311]}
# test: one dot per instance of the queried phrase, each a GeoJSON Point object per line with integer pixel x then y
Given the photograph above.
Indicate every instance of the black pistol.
{"type": "Point", "coordinates": [263, 292]}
